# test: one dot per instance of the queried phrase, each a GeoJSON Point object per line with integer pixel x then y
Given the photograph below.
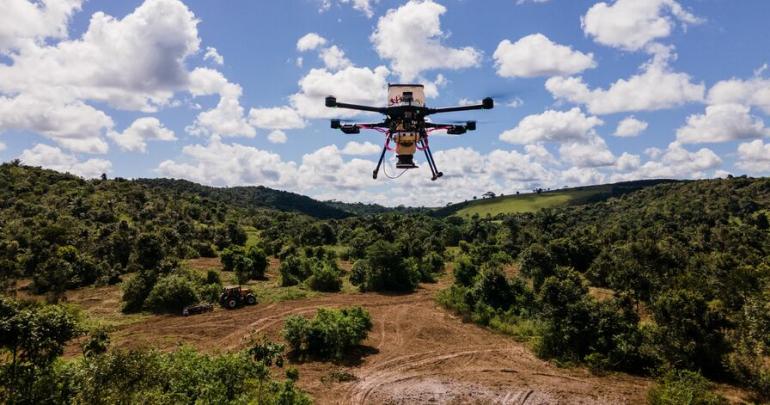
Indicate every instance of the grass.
{"type": "Point", "coordinates": [527, 202]}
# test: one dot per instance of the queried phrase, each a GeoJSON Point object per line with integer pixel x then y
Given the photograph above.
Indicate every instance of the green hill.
{"type": "Point", "coordinates": [521, 203]}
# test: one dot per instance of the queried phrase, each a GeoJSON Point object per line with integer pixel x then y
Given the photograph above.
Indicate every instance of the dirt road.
{"type": "Point", "coordinates": [416, 353]}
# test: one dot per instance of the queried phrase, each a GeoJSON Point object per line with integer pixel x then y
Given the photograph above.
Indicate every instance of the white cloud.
{"type": "Point", "coordinates": [673, 162]}
{"type": "Point", "coordinates": [310, 42]}
{"type": "Point", "coordinates": [135, 63]}
{"type": "Point", "coordinates": [633, 24]}
{"type": "Point", "coordinates": [630, 127]}
{"type": "Point", "coordinates": [2, 147]}
{"type": "Point", "coordinates": [754, 92]}
{"type": "Point", "coordinates": [53, 158]}
{"type": "Point", "coordinates": [214, 56]}
{"type": "Point", "coordinates": [754, 156]}
{"type": "Point", "coordinates": [135, 136]}
{"type": "Point", "coordinates": [592, 152]}
{"type": "Point", "coordinates": [24, 23]}
{"type": "Point", "coordinates": [722, 123]}
{"type": "Point", "coordinates": [411, 38]}
{"type": "Point", "coordinates": [364, 6]}
{"type": "Point", "coordinates": [223, 164]}
{"type": "Point", "coordinates": [520, 2]}
{"type": "Point", "coordinates": [628, 162]}
{"type": "Point", "coordinates": [553, 126]}
{"type": "Point", "coordinates": [227, 118]}
{"type": "Point", "coordinates": [277, 136]}
{"type": "Point", "coordinates": [351, 85]}
{"type": "Point", "coordinates": [358, 148]}
{"type": "Point", "coordinates": [536, 55]}
{"type": "Point", "coordinates": [276, 118]}
{"type": "Point", "coordinates": [582, 176]}
{"type": "Point", "coordinates": [655, 88]}
{"type": "Point", "coordinates": [75, 125]}
{"type": "Point", "coordinates": [334, 58]}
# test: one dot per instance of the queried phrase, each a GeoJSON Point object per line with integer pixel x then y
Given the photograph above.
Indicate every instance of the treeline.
{"type": "Point", "coordinates": [675, 276]}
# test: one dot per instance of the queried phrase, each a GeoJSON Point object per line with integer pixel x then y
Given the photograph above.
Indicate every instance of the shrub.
{"type": "Point", "coordinates": [325, 277]}
{"type": "Point", "coordinates": [465, 271]}
{"type": "Point", "coordinates": [229, 256]}
{"type": "Point", "coordinates": [294, 270]}
{"type": "Point", "coordinates": [171, 293]}
{"type": "Point", "coordinates": [330, 334]}
{"type": "Point", "coordinates": [258, 262]}
{"type": "Point", "coordinates": [683, 387]}
{"type": "Point", "coordinates": [136, 290]}
{"type": "Point", "coordinates": [386, 270]}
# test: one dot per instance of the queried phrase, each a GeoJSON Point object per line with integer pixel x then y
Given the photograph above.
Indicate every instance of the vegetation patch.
{"type": "Point", "coordinates": [330, 334]}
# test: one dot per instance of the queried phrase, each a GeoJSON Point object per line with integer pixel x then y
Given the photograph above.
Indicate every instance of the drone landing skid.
{"type": "Point", "coordinates": [409, 163]}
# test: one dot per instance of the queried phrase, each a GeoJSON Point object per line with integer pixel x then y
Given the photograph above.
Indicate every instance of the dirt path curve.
{"type": "Point", "coordinates": [418, 353]}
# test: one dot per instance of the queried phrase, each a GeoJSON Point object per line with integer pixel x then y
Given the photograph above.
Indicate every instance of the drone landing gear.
{"type": "Point", "coordinates": [431, 163]}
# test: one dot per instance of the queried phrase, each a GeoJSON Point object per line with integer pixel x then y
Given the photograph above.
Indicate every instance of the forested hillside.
{"type": "Point", "coordinates": [669, 281]}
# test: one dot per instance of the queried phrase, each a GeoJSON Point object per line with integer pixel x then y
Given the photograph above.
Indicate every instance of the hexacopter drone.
{"type": "Point", "coordinates": [405, 124]}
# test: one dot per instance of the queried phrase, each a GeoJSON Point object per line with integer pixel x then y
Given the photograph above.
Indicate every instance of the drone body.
{"type": "Point", "coordinates": [405, 124]}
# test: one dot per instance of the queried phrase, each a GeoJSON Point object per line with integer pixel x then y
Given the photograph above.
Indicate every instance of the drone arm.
{"type": "Point", "coordinates": [332, 102]}
{"type": "Point", "coordinates": [486, 104]}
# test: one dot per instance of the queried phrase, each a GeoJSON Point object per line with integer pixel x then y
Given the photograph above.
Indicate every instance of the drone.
{"type": "Point", "coordinates": [405, 125]}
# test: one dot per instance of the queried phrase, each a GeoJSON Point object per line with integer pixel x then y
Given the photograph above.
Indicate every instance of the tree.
{"type": "Point", "coordinates": [259, 262]}
{"type": "Point", "coordinates": [171, 294]}
{"type": "Point", "coordinates": [149, 251]}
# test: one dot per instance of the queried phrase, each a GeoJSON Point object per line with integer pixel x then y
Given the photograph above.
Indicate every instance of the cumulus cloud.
{"type": "Point", "coordinates": [364, 6]}
{"type": "Point", "coordinates": [213, 55]}
{"type": "Point", "coordinates": [54, 158]}
{"type": "Point", "coordinates": [74, 125]}
{"type": "Point", "coordinates": [227, 118]}
{"type": "Point", "coordinates": [277, 136]}
{"type": "Point", "coordinates": [359, 148]}
{"type": "Point", "coordinates": [754, 92]}
{"type": "Point", "coordinates": [628, 162]}
{"type": "Point", "coordinates": [357, 85]}
{"type": "Point", "coordinates": [334, 58]}
{"type": "Point", "coordinates": [222, 164]}
{"type": "Point", "coordinates": [633, 24]}
{"type": "Point", "coordinates": [722, 123]}
{"type": "Point", "coordinates": [141, 130]}
{"type": "Point", "coordinates": [754, 156]}
{"type": "Point", "coordinates": [2, 146]}
{"type": "Point", "coordinates": [410, 37]}
{"type": "Point", "coordinates": [553, 126]}
{"type": "Point", "coordinates": [276, 118]}
{"type": "Point", "coordinates": [630, 127]}
{"type": "Point", "coordinates": [582, 176]}
{"type": "Point", "coordinates": [673, 162]}
{"type": "Point", "coordinates": [24, 23]}
{"type": "Point", "coordinates": [592, 152]}
{"type": "Point", "coordinates": [536, 55]}
{"type": "Point", "coordinates": [135, 63]}
{"type": "Point", "coordinates": [655, 88]}
{"type": "Point", "coordinates": [310, 41]}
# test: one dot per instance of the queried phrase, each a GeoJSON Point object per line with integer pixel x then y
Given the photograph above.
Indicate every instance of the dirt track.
{"type": "Point", "coordinates": [416, 353]}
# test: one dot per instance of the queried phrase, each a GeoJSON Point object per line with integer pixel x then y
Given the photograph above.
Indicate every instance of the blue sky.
{"type": "Point", "coordinates": [587, 92]}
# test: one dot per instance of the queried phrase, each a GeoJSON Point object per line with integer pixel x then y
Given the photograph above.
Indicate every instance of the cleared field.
{"type": "Point", "coordinates": [515, 204]}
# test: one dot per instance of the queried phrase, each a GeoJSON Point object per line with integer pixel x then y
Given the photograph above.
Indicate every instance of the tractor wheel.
{"type": "Point", "coordinates": [232, 303]}
{"type": "Point", "coordinates": [251, 300]}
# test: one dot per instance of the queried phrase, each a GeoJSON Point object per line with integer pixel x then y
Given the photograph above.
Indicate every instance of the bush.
{"type": "Point", "coordinates": [465, 271]}
{"type": "Point", "coordinates": [325, 277]}
{"type": "Point", "coordinates": [385, 270]}
{"type": "Point", "coordinates": [136, 290]}
{"type": "Point", "coordinates": [330, 334]}
{"type": "Point", "coordinates": [683, 387]}
{"type": "Point", "coordinates": [294, 270]}
{"type": "Point", "coordinates": [258, 262]}
{"type": "Point", "coordinates": [171, 294]}
{"type": "Point", "coordinates": [229, 256]}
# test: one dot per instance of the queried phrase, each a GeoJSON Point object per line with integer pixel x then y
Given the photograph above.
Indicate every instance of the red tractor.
{"type": "Point", "coordinates": [234, 297]}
